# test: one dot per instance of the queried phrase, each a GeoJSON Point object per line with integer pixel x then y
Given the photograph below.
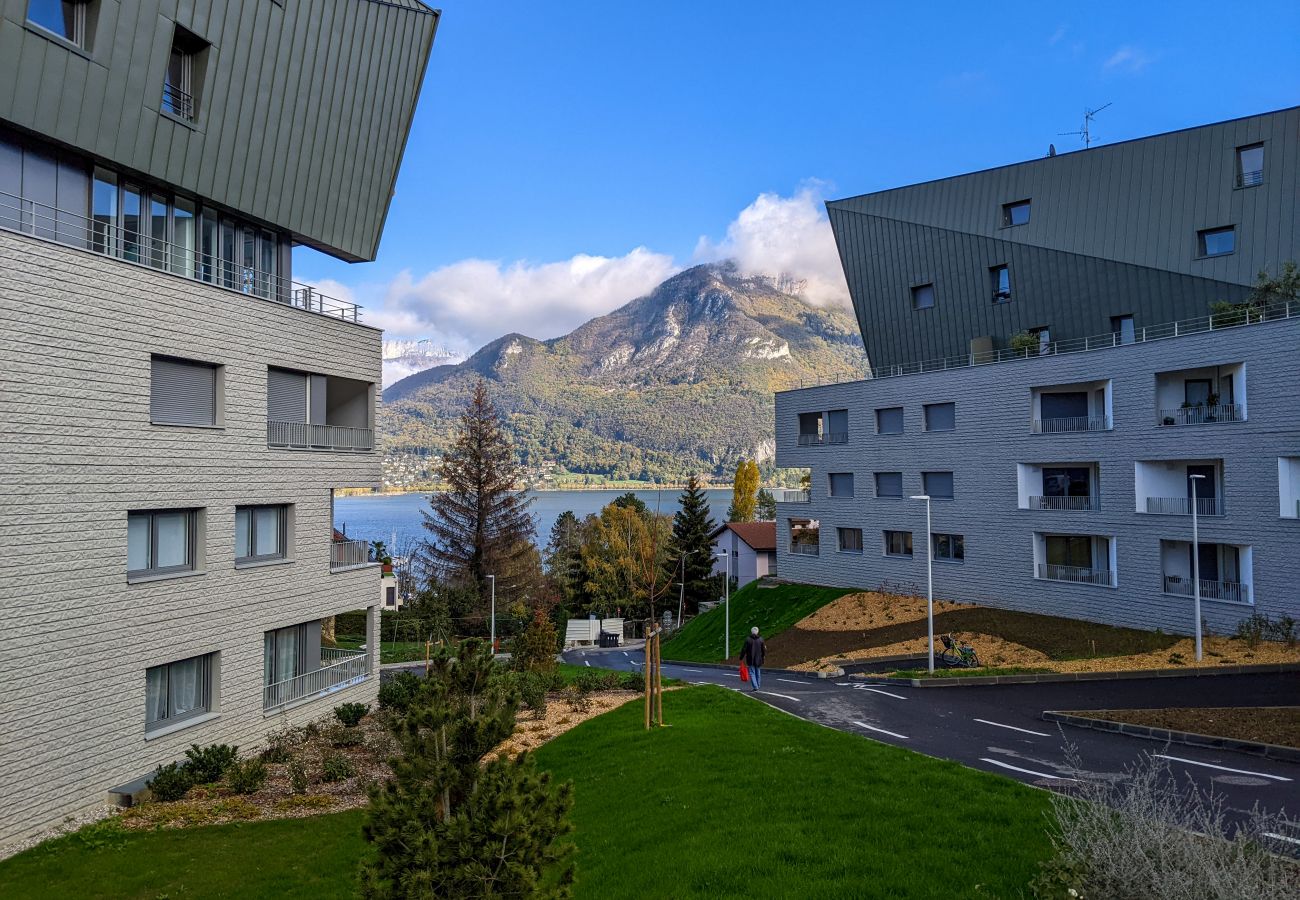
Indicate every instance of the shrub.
{"type": "Point", "coordinates": [208, 764]}
{"type": "Point", "coordinates": [632, 681]}
{"type": "Point", "coordinates": [297, 777]}
{"type": "Point", "coordinates": [347, 737]}
{"type": "Point", "coordinates": [532, 691]}
{"type": "Point", "coordinates": [397, 692]}
{"type": "Point", "coordinates": [246, 776]}
{"type": "Point", "coordinates": [351, 714]}
{"type": "Point", "coordinates": [578, 697]}
{"type": "Point", "coordinates": [1259, 627]}
{"type": "Point", "coordinates": [170, 782]}
{"type": "Point", "coordinates": [535, 649]}
{"type": "Point", "coordinates": [337, 767]}
{"type": "Point", "coordinates": [592, 680]}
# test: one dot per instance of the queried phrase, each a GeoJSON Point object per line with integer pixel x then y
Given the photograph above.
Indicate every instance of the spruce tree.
{"type": "Point", "coordinates": [479, 525]}
{"type": "Point", "coordinates": [692, 546]}
{"type": "Point", "coordinates": [447, 824]}
{"type": "Point", "coordinates": [563, 558]}
{"type": "Point", "coordinates": [766, 508]}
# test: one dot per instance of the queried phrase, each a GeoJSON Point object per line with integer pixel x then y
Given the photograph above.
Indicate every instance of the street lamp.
{"type": "Point", "coordinates": [1196, 564]}
{"type": "Point", "coordinates": [493, 579]}
{"type": "Point", "coordinates": [929, 581]}
{"type": "Point", "coordinates": [726, 607]}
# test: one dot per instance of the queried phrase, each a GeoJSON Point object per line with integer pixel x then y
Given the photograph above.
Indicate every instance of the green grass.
{"type": "Point", "coordinates": [772, 609]}
{"type": "Point", "coordinates": [569, 672]}
{"type": "Point", "coordinates": [389, 651]}
{"type": "Point", "coordinates": [736, 799]}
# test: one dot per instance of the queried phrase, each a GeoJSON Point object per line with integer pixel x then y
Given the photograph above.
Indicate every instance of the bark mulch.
{"type": "Point", "coordinates": [1278, 725]}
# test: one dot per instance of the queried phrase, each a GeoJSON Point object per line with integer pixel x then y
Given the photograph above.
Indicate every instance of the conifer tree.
{"type": "Point", "coordinates": [692, 546]}
{"type": "Point", "coordinates": [766, 506]}
{"type": "Point", "coordinates": [744, 492]}
{"type": "Point", "coordinates": [563, 558]}
{"type": "Point", "coordinates": [447, 824]}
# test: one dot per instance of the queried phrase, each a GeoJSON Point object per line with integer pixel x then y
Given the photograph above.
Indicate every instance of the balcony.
{"type": "Point", "coordinates": [1063, 486]}
{"type": "Point", "coordinates": [1225, 570]}
{"type": "Point", "coordinates": [1202, 415]}
{"type": "Point", "coordinates": [1227, 591]}
{"type": "Point", "coordinates": [1209, 395]}
{"type": "Point", "coordinates": [1068, 424]}
{"type": "Point", "coordinates": [1063, 503]}
{"type": "Point", "coordinates": [1164, 487]}
{"type": "Point", "coordinates": [818, 428]}
{"type": "Point", "coordinates": [339, 669]}
{"type": "Point", "coordinates": [817, 440]}
{"type": "Point", "coordinates": [1071, 408]}
{"type": "Point", "coordinates": [303, 436]}
{"type": "Point", "coordinates": [1182, 506]}
{"type": "Point", "coordinates": [805, 549]}
{"type": "Point", "coordinates": [347, 555]}
{"type": "Point", "coordinates": [794, 497]}
{"type": "Point", "coordinates": [1076, 574]}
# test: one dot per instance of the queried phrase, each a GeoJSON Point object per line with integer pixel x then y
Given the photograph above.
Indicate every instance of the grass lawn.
{"type": "Point", "coordinates": [772, 609]}
{"type": "Point", "coordinates": [389, 651]}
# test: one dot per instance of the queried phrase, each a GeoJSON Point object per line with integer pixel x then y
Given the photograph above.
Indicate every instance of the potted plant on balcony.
{"type": "Point", "coordinates": [1024, 342]}
{"type": "Point", "coordinates": [1212, 404]}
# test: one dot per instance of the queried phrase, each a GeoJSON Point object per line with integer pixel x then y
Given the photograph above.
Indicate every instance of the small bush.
{"type": "Point", "coordinates": [536, 648]}
{"type": "Point", "coordinates": [297, 777]}
{"type": "Point", "coordinates": [246, 776]}
{"type": "Point", "coordinates": [532, 691]}
{"type": "Point", "coordinates": [337, 767]}
{"type": "Point", "coordinates": [592, 680]}
{"type": "Point", "coordinates": [632, 681]}
{"type": "Point", "coordinates": [208, 764]}
{"type": "Point", "coordinates": [578, 697]}
{"type": "Point", "coordinates": [396, 693]}
{"type": "Point", "coordinates": [351, 714]}
{"type": "Point", "coordinates": [170, 782]}
{"type": "Point", "coordinates": [347, 737]}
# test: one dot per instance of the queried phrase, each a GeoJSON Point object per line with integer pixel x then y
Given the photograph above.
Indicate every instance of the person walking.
{"type": "Point", "coordinates": [752, 655]}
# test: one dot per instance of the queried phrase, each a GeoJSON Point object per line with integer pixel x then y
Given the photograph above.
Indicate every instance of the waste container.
{"type": "Point", "coordinates": [608, 639]}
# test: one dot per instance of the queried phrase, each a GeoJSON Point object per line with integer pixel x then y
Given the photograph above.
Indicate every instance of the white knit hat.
{"type": "Point", "coordinates": [754, 631]}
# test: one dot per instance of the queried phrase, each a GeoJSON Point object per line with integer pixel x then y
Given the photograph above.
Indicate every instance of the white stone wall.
{"type": "Point", "coordinates": [77, 451]}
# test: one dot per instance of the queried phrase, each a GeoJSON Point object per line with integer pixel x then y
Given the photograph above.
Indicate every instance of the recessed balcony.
{"type": "Point", "coordinates": [1166, 487]}
{"type": "Point", "coordinates": [1225, 571]}
{"type": "Point", "coordinates": [805, 537]}
{"type": "Point", "coordinates": [818, 428]}
{"type": "Point", "coordinates": [1210, 395]}
{"type": "Point", "coordinates": [1069, 487]}
{"type": "Point", "coordinates": [306, 411]}
{"type": "Point", "coordinates": [1071, 408]}
{"type": "Point", "coordinates": [1075, 558]}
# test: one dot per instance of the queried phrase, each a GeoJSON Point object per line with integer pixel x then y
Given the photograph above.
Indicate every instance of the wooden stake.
{"type": "Point", "coordinates": [647, 677]}
{"type": "Point", "coordinates": [659, 682]}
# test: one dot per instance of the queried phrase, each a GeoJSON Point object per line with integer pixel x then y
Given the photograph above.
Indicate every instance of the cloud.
{"type": "Point", "coordinates": [1057, 35]}
{"type": "Point", "coordinates": [1128, 59]}
{"type": "Point", "coordinates": [777, 235]}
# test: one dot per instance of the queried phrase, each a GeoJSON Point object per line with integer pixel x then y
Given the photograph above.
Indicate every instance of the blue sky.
{"type": "Point", "coordinates": [554, 140]}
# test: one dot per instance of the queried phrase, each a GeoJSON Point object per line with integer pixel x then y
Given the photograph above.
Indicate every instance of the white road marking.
{"type": "Point", "coordinates": [696, 671]}
{"type": "Point", "coordinates": [1192, 762]}
{"type": "Point", "coordinates": [732, 674]}
{"type": "Point", "coordinates": [782, 696]}
{"type": "Point", "coordinates": [1281, 837]}
{"type": "Point", "coordinates": [699, 682]}
{"type": "Point", "coordinates": [844, 684]}
{"type": "Point", "coordinates": [587, 661]}
{"type": "Point", "coordinates": [881, 730]}
{"type": "Point", "coordinates": [1014, 728]}
{"type": "Point", "coordinates": [886, 693]}
{"type": "Point", "coordinates": [790, 681]}
{"type": "Point", "coordinates": [1026, 771]}
{"type": "Point", "coordinates": [625, 653]}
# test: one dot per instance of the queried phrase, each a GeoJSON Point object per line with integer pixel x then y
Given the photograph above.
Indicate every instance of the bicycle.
{"type": "Point", "coordinates": [956, 655]}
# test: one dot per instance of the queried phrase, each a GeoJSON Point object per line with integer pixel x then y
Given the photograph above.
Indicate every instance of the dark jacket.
{"type": "Point", "coordinates": [753, 652]}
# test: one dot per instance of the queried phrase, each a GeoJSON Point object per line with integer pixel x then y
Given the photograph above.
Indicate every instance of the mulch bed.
{"type": "Point", "coordinates": [1278, 725]}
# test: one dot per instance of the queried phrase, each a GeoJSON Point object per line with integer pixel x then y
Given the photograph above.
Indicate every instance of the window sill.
{"type": "Point", "coordinates": [166, 576]}
{"type": "Point", "coordinates": [179, 120]}
{"type": "Point", "coordinates": [950, 562]}
{"type": "Point", "coordinates": [897, 556]}
{"type": "Point", "coordinates": [262, 563]}
{"type": "Point", "coordinates": [1214, 255]}
{"type": "Point", "coordinates": [850, 552]}
{"type": "Point", "coordinates": [187, 425]}
{"type": "Point", "coordinates": [164, 730]}
{"type": "Point", "coordinates": [58, 39]}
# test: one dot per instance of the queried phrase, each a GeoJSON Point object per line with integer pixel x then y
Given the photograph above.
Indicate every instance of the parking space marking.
{"type": "Point", "coordinates": [1014, 728]}
{"type": "Point", "coordinates": [901, 737]}
{"type": "Point", "coordinates": [782, 696]}
{"type": "Point", "coordinates": [995, 762]}
{"type": "Point", "coordinates": [790, 681]}
{"type": "Point", "coordinates": [1192, 762]}
{"type": "Point", "coordinates": [886, 693]}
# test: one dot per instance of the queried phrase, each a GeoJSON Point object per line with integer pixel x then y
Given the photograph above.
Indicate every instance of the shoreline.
{"type": "Point", "coordinates": [362, 492]}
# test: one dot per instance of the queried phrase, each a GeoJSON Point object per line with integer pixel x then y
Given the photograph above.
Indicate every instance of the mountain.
{"type": "Point", "coordinates": [676, 382]}
{"type": "Point", "coordinates": [406, 358]}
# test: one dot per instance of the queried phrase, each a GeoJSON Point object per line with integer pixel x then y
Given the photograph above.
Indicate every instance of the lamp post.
{"type": "Point", "coordinates": [726, 607]}
{"type": "Point", "coordinates": [493, 579]}
{"type": "Point", "coordinates": [929, 582]}
{"type": "Point", "coordinates": [1196, 564]}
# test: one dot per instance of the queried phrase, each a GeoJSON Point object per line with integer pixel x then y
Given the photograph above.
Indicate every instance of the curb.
{"type": "Point", "coordinates": [793, 673]}
{"type": "Point", "coordinates": [1190, 738]}
{"type": "Point", "coordinates": [1049, 677]}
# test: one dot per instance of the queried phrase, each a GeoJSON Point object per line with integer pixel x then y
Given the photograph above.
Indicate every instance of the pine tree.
{"type": "Point", "coordinates": [692, 546]}
{"type": "Point", "coordinates": [447, 824]}
{"type": "Point", "coordinates": [563, 558]}
{"type": "Point", "coordinates": [631, 501]}
{"type": "Point", "coordinates": [766, 506]}
{"type": "Point", "coordinates": [744, 492]}
{"type": "Point", "coordinates": [480, 525]}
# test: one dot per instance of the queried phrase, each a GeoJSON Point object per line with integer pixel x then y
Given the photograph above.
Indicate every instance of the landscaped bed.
{"type": "Point", "coordinates": [1279, 725]}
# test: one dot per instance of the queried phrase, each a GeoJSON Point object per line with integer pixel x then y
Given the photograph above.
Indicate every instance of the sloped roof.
{"type": "Point", "coordinates": [759, 536]}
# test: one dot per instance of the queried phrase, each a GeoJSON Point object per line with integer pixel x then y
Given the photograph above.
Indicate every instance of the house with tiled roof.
{"type": "Point", "coordinates": [750, 549]}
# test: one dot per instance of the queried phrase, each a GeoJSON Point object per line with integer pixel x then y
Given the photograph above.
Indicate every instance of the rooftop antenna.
{"type": "Point", "coordinates": [1085, 133]}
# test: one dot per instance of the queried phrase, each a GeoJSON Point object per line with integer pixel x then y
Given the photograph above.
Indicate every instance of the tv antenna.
{"type": "Point", "coordinates": [1085, 133]}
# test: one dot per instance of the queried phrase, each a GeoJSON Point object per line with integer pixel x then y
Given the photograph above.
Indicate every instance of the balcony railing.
{"type": "Point", "coordinates": [183, 260]}
{"type": "Point", "coordinates": [1070, 424]}
{"type": "Point", "coordinates": [1182, 506]}
{"type": "Point", "coordinates": [177, 102]}
{"type": "Point", "coordinates": [795, 497]}
{"type": "Point", "coordinates": [346, 555]}
{"type": "Point", "coordinates": [1076, 574]}
{"type": "Point", "coordinates": [301, 436]}
{"type": "Point", "coordinates": [339, 669]}
{"type": "Point", "coordinates": [830, 437]}
{"type": "Point", "coordinates": [1069, 503]}
{"type": "Point", "coordinates": [1230, 591]}
{"type": "Point", "coordinates": [1202, 415]}
{"type": "Point", "coordinates": [802, 549]}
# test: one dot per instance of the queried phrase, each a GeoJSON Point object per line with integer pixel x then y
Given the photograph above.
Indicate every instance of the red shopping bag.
{"type": "Point", "coordinates": [744, 672]}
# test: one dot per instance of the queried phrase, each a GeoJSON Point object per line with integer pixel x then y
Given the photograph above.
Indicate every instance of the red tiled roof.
{"type": "Point", "coordinates": [759, 536]}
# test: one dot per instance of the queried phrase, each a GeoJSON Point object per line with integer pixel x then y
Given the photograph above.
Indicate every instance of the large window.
{"type": "Point", "coordinates": [1250, 165]}
{"type": "Point", "coordinates": [178, 90]}
{"type": "Point", "coordinates": [1070, 550]}
{"type": "Point", "coordinates": [850, 540]}
{"type": "Point", "coordinates": [1015, 213]}
{"type": "Point", "coordinates": [64, 18]}
{"type": "Point", "coordinates": [182, 392]}
{"type": "Point", "coordinates": [889, 485]}
{"type": "Point", "coordinates": [178, 691]}
{"type": "Point", "coordinates": [841, 484]}
{"type": "Point", "coordinates": [261, 533]}
{"type": "Point", "coordinates": [940, 417]}
{"type": "Point", "coordinates": [290, 652]}
{"type": "Point", "coordinates": [1000, 279]}
{"type": "Point", "coordinates": [160, 542]}
{"type": "Point", "coordinates": [1217, 241]}
{"type": "Point", "coordinates": [898, 543]}
{"type": "Point", "coordinates": [1067, 481]}
{"type": "Point", "coordinates": [889, 420]}
{"type": "Point", "coordinates": [949, 547]}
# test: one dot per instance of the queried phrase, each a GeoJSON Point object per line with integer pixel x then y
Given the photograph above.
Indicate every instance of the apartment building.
{"type": "Point", "coordinates": [1049, 368]}
{"type": "Point", "coordinates": [175, 409]}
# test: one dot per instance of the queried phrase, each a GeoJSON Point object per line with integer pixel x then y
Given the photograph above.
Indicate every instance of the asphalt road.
{"type": "Point", "coordinates": [999, 728]}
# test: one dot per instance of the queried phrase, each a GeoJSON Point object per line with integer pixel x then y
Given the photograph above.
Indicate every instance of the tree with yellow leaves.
{"type": "Point", "coordinates": [744, 492]}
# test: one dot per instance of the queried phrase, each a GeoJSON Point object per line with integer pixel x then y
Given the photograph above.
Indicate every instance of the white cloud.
{"type": "Point", "coordinates": [790, 235]}
{"type": "Point", "coordinates": [1128, 59]}
{"type": "Point", "coordinates": [1057, 35]}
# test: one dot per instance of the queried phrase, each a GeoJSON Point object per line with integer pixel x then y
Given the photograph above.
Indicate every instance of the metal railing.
{"type": "Point", "coordinates": [349, 555]}
{"type": "Point", "coordinates": [1182, 506]}
{"type": "Point", "coordinates": [795, 497]}
{"type": "Point", "coordinates": [1271, 311]}
{"type": "Point", "coordinates": [830, 437]}
{"type": "Point", "coordinates": [302, 436]}
{"type": "Point", "coordinates": [837, 437]}
{"type": "Point", "coordinates": [1202, 415]}
{"type": "Point", "coordinates": [178, 102]}
{"type": "Point", "coordinates": [181, 259]}
{"type": "Point", "coordinates": [1069, 503]}
{"type": "Point", "coordinates": [1251, 178]}
{"type": "Point", "coordinates": [1076, 574]}
{"type": "Point", "coordinates": [1231, 591]}
{"type": "Point", "coordinates": [343, 669]}
{"type": "Point", "coordinates": [803, 549]}
{"type": "Point", "coordinates": [1070, 424]}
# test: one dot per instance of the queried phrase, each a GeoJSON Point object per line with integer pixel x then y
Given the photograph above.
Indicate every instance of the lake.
{"type": "Point", "coordinates": [378, 517]}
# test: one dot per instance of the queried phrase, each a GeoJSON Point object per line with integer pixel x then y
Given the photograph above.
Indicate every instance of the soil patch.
{"type": "Point", "coordinates": [533, 729]}
{"type": "Point", "coordinates": [1267, 724]}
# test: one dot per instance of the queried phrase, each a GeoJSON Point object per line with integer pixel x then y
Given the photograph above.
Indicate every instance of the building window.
{"type": "Point", "coordinates": [889, 485]}
{"type": "Point", "coordinates": [923, 296]}
{"type": "Point", "coordinates": [937, 485]}
{"type": "Point", "coordinates": [1122, 328]}
{"type": "Point", "coordinates": [841, 484]}
{"type": "Point", "coordinates": [949, 547]}
{"type": "Point", "coordinates": [178, 691]}
{"type": "Point", "coordinates": [64, 18]}
{"type": "Point", "coordinates": [182, 392]}
{"type": "Point", "coordinates": [160, 542]}
{"type": "Point", "coordinates": [1250, 165]}
{"type": "Point", "coordinates": [889, 420]}
{"type": "Point", "coordinates": [1015, 213]}
{"type": "Point", "coordinates": [898, 543]}
{"type": "Point", "coordinates": [177, 95]}
{"type": "Point", "coordinates": [940, 417]}
{"type": "Point", "coordinates": [1000, 279]}
{"type": "Point", "coordinates": [850, 540]}
{"type": "Point", "coordinates": [260, 533]}
{"type": "Point", "coordinates": [390, 595]}
{"type": "Point", "coordinates": [1217, 241]}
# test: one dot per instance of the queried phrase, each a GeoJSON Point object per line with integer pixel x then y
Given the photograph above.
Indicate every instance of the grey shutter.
{"type": "Point", "coordinates": [317, 396]}
{"type": "Point", "coordinates": [182, 393]}
{"type": "Point", "coordinates": [286, 396]}
{"type": "Point", "coordinates": [841, 484]}
{"type": "Point", "coordinates": [940, 417]}
{"type": "Point", "coordinates": [890, 420]}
